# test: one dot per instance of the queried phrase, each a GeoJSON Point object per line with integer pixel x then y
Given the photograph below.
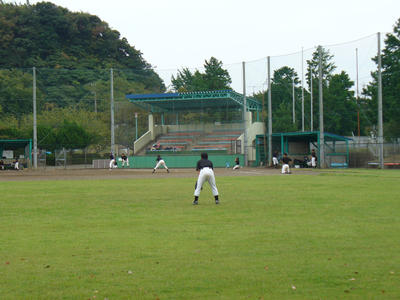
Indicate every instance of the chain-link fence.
{"type": "Point", "coordinates": [83, 114]}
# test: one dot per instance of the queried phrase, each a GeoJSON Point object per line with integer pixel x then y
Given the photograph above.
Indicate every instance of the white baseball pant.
{"type": "Point", "coordinates": [313, 162]}
{"type": "Point", "coordinates": [206, 174]}
{"type": "Point", "coordinates": [160, 162]}
{"type": "Point", "coordinates": [285, 169]}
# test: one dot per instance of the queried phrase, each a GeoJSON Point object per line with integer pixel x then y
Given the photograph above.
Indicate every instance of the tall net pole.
{"type": "Point", "coordinates": [380, 114]}
{"type": "Point", "coordinates": [357, 98]}
{"type": "Point", "coordinates": [311, 100]}
{"type": "Point", "coordinates": [321, 115]}
{"type": "Point", "coordinates": [269, 112]}
{"type": "Point", "coordinates": [293, 102]}
{"type": "Point", "coordinates": [34, 121]}
{"type": "Point", "coordinates": [112, 110]}
{"type": "Point", "coordinates": [302, 89]}
{"type": "Point", "coordinates": [264, 120]}
{"type": "Point", "coordinates": [244, 113]}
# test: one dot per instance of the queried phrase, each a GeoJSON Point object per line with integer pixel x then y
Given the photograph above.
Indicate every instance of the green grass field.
{"type": "Point", "coordinates": [330, 236]}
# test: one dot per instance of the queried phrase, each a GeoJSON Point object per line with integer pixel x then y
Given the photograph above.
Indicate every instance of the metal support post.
{"type": "Point", "coordinates": [136, 129]}
{"type": "Point", "coordinates": [380, 113]}
{"type": "Point", "coordinates": [302, 89]}
{"type": "Point", "coordinates": [311, 100]}
{"type": "Point", "coordinates": [244, 114]}
{"type": "Point", "coordinates": [293, 102]}
{"type": "Point", "coordinates": [269, 113]}
{"type": "Point", "coordinates": [112, 110]}
{"type": "Point", "coordinates": [321, 114]}
{"type": "Point", "coordinates": [35, 150]}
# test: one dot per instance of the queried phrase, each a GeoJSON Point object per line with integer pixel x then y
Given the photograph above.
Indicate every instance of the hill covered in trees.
{"type": "Point", "coordinates": [48, 36]}
{"type": "Point", "coordinates": [73, 53]}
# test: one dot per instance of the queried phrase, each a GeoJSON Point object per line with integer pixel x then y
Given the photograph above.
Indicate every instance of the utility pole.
{"type": "Point", "coordinates": [302, 89]}
{"type": "Point", "coordinates": [264, 119]}
{"type": "Point", "coordinates": [380, 113]}
{"type": "Point", "coordinates": [293, 102]}
{"type": "Point", "coordinates": [112, 110]}
{"type": "Point", "coordinates": [321, 115]}
{"type": "Point", "coordinates": [34, 121]}
{"type": "Point", "coordinates": [244, 113]}
{"type": "Point", "coordinates": [269, 112]}
{"type": "Point", "coordinates": [357, 95]}
{"type": "Point", "coordinates": [311, 100]}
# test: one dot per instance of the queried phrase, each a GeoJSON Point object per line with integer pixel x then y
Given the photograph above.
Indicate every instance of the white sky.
{"type": "Point", "coordinates": [183, 33]}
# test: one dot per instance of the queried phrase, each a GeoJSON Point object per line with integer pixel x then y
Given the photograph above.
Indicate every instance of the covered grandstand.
{"type": "Point", "coordinates": [184, 124]}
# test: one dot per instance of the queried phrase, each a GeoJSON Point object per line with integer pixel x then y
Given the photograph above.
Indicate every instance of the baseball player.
{"type": "Point", "coordinates": [237, 164]}
{"type": "Point", "coordinates": [275, 161]}
{"type": "Point", "coordinates": [285, 165]}
{"type": "Point", "coordinates": [206, 173]}
{"type": "Point", "coordinates": [124, 160]}
{"type": "Point", "coordinates": [313, 158]}
{"type": "Point", "coordinates": [113, 162]}
{"type": "Point", "coordinates": [160, 162]}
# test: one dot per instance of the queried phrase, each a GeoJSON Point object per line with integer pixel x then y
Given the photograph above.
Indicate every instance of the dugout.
{"type": "Point", "coordinates": [20, 149]}
{"type": "Point", "coordinates": [299, 144]}
{"type": "Point", "coordinates": [188, 123]}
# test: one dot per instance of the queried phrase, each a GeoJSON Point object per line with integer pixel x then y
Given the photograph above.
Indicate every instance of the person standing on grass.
{"type": "Point", "coordinates": [285, 164]}
{"type": "Point", "coordinates": [206, 173]}
{"type": "Point", "coordinates": [160, 162]}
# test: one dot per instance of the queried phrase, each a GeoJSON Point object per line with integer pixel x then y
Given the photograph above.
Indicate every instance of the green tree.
{"type": "Point", "coordinates": [282, 99]}
{"type": "Point", "coordinates": [72, 136]}
{"type": "Point", "coordinates": [214, 78]}
{"type": "Point", "coordinates": [390, 87]}
{"type": "Point", "coordinates": [340, 109]}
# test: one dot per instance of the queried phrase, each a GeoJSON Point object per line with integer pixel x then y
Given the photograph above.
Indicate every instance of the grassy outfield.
{"type": "Point", "coordinates": [331, 236]}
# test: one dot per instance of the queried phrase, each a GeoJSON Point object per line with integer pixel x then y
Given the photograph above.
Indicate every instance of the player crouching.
{"type": "Point", "coordinates": [160, 162]}
{"type": "Point", "coordinates": [206, 173]}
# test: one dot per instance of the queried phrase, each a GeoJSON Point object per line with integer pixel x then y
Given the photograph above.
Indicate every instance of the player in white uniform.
{"type": "Point", "coordinates": [313, 159]}
{"type": "Point", "coordinates": [206, 173]}
{"type": "Point", "coordinates": [237, 164]}
{"type": "Point", "coordinates": [113, 162]}
{"type": "Point", "coordinates": [160, 162]}
{"type": "Point", "coordinates": [125, 160]}
{"type": "Point", "coordinates": [275, 161]}
{"type": "Point", "coordinates": [285, 166]}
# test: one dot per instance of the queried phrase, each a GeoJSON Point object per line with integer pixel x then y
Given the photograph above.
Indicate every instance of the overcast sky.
{"type": "Point", "coordinates": [183, 33]}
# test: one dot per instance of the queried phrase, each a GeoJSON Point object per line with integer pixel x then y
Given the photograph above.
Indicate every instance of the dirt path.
{"type": "Point", "coordinates": [94, 174]}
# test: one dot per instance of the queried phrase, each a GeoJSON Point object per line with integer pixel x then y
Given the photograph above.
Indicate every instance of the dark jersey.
{"type": "Point", "coordinates": [124, 157]}
{"type": "Point", "coordinates": [237, 161]}
{"type": "Point", "coordinates": [204, 163]}
{"type": "Point", "coordinates": [286, 159]}
{"type": "Point", "coordinates": [111, 156]}
{"type": "Point", "coordinates": [158, 158]}
{"type": "Point", "coordinates": [313, 154]}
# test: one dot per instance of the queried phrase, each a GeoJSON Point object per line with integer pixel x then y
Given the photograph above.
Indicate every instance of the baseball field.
{"type": "Point", "coordinates": [99, 234]}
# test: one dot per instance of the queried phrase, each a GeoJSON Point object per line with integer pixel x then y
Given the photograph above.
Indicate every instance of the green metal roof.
{"type": "Point", "coordinates": [194, 101]}
{"type": "Point", "coordinates": [309, 135]}
{"type": "Point", "coordinates": [13, 144]}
